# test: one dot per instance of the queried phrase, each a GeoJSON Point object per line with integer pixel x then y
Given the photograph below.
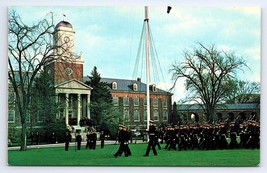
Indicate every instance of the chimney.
{"type": "Point", "coordinates": [138, 79]}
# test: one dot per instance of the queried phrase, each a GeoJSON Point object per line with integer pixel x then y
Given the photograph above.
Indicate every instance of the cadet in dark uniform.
{"type": "Point", "coordinates": [102, 139]}
{"type": "Point", "coordinates": [151, 142]}
{"type": "Point", "coordinates": [87, 140]}
{"type": "Point", "coordinates": [67, 140]}
{"type": "Point", "coordinates": [121, 139]}
{"type": "Point", "coordinates": [157, 140]}
{"type": "Point", "coordinates": [126, 138]}
{"type": "Point", "coordinates": [94, 138]}
{"type": "Point", "coordinates": [91, 139]}
{"type": "Point", "coordinates": [78, 140]}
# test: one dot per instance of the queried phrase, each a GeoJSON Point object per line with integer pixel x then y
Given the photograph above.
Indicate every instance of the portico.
{"type": "Point", "coordinates": [73, 97]}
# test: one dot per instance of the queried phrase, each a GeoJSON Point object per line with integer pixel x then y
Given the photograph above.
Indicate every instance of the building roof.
{"type": "Point", "coordinates": [238, 106]}
{"type": "Point", "coordinates": [63, 24]}
{"type": "Point", "coordinates": [126, 85]}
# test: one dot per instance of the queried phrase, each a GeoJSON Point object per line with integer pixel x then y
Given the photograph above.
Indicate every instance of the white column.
{"type": "Point", "coordinates": [67, 109]}
{"type": "Point", "coordinates": [88, 107]}
{"type": "Point", "coordinates": [79, 109]}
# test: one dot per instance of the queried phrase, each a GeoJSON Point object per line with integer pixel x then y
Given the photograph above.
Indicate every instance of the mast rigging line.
{"type": "Point", "coordinates": [137, 60]}
{"type": "Point", "coordinates": [156, 65]}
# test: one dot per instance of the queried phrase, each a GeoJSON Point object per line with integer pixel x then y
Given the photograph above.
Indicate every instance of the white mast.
{"type": "Point", "coordinates": [147, 67]}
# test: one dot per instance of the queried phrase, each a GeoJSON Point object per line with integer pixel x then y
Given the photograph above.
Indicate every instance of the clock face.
{"type": "Point", "coordinates": [69, 71]}
{"type": "Point", "coordinates": [66, 39]}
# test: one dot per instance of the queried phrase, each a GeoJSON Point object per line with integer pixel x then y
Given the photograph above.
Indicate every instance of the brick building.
{"type": "Point", "coordinates": [129, 97]}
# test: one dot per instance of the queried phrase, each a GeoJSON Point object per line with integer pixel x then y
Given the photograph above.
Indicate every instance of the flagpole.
{"type": "Point", "coordinates": [147, 66]}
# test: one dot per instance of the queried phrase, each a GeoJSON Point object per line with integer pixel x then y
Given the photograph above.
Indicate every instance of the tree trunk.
{"type": "Point", "coordinates": [23, 144]}
{"type": "Point", "coordinates": [210, 113]}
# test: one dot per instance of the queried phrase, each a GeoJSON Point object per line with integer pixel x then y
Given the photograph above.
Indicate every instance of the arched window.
{"type": "Point", "coordinates": [136, 115]}
{"type": "Point", "coordinates": [135, 87]}
{"type": "Point", "coordinates": [114, 85]}
{"type": "Point", "coordinates": [153, 88]}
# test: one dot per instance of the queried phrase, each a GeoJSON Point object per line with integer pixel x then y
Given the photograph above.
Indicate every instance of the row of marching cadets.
{"type": "Point", "coordinates": [212, 136]}
{"type": "Point", "coordinates": [91, 138]}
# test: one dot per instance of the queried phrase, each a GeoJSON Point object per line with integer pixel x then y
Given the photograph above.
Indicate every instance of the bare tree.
{"type": "Point", "coordinates": [208, 73]}
{"type": "Point", "coordinates": [30, 48]}
{"type": "Point", "coordinates": [244, 92]}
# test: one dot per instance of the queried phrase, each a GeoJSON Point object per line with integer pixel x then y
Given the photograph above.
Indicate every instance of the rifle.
{"type": "Point", "coordinates": [253, 117]}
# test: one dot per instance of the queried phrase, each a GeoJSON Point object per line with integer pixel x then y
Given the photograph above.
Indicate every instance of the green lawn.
{"type": "Point", "coordinates": [104, 157]}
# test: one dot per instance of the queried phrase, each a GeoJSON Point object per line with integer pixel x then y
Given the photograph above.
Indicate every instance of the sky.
{"type": "Point", "coordinates": [108, 36]}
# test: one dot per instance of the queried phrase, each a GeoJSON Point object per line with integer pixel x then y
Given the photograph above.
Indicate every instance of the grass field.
{"type": "Point", "coordinates": [104, 157]}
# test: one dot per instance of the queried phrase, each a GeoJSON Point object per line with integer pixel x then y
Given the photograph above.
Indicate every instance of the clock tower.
{"type": "Point", "coordinates": [66, 71]}
{"type": "Point", "coordinates": [66, 64]}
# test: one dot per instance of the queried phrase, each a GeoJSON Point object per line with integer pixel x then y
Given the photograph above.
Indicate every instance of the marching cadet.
{"type": "Point", "coordinates": [151, 142]}
{"type": "Point", "coordinates": [223, 135]}
{"type": "Point", "coordinates": [102, 139]}
{"type": "Point", "coordinates": [91, 138]}
{"type": "Point", "coordinates": [193, 138]}
{"type": "Point", "coordinates": [122, 138]}
{"type": "Point", "coordinates": [233, 142]}
{"type": "Point", "coordinates": [243, 136]}
{"type": "Point", "coordinates": [167, 137]}
{"type": "Point", "coordinates": [94, 138]}
{"type": "Point", "coordinates": [87, 140]}
{"type": "Point", "coordinates": [172, 141]}
{"type": "Point", "coordinates": [67, 140]}
{"type": "Point", "coordinates": [126, 136]}
{"type": "Point", "coordinates": [157, 134]}
{"type": "Point", "coordinates": [79, 140]}
{"type": "Point", "coordinates": [183, 138]}
{"type": "Point", "coordinates": [254, 135]}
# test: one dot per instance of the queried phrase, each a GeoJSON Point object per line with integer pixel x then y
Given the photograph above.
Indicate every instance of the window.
{"type": "Point", "coordinates": [165, 115]}
{"type": "Point", "coordinates": [156, 115]}
{"type": "Point", "coordinates": [155, 102]}
{"type": "Point", "coordinates": [153, 88]}
{"type": "Point", "coordinates": [135, 87]}
{"type": "Point", "coordinates": [116, 101]}
{"type": "Point", "coordinates": [114, 85]}
{"type": "Point", "coordinates": [136, 101]}
{"type": "Point", "coordinates": [164, 102]}
{"type": "Point", "coordinates": [125, 101]}
{"type": "Point", "coordinates": [126, 114]}
{"type": "Point", "coordinates": [136, 115]}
